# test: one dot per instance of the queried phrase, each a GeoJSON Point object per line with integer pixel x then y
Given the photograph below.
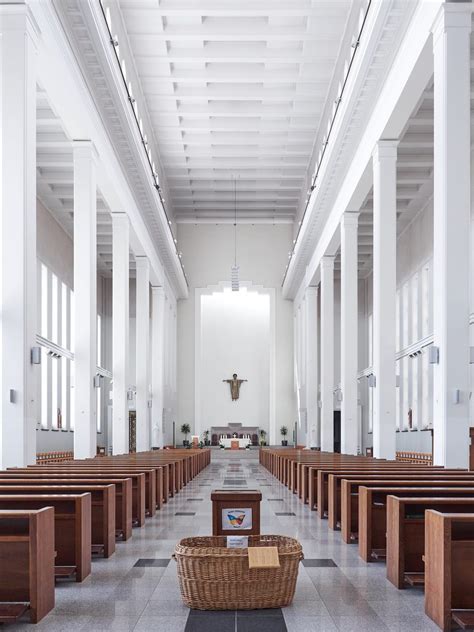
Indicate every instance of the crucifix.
{"type": "Point", "coordinates": [235, 385]}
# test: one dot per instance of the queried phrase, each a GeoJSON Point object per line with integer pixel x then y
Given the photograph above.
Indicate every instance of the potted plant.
{"type": "Point", "coordinates": [206, 437]}
{"type": "Point", "coordinates": [284, 432]}
{"type": "Point", "coordinates": [185, 429]}
{"type": "Point", "coordinates": [262, 434]}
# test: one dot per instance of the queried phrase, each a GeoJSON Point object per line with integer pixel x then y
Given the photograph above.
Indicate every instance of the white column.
{"type": "Point", "coordinates": [18, 377]}
{"type": "Point", "coordinates": [327, 354]}
{"type": "Point", "coordinates": [312, 382]}
{"type": "Point", "coordinates": [85, 299]}
{"type": "Point", "coordinates": [143, 353]}
{"type": "Point", "coordinates": [384, 296]}
{"type": "Point", "coordinates": [120, 330]}
{"type": "Point", "coordinates": [452, 176]}
{"type": "Point", "coordinates": [349, 333]}
{"type": "Point", "coordinates": [157, 364]}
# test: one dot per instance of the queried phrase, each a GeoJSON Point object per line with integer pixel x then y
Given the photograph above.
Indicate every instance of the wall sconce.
{"type": "Point", "coordinates": [35, 355]}
{"type": "Point", "coordinates": [371, 381]}
{"type": "Point", "coordinates": [397, 381]}
{"type": "Point", "coordinates": [433, 355]}
{"type": "Point", "coordinates": [98, 380]}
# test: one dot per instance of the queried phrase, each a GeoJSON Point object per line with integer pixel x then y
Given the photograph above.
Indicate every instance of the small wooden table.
{"type": "Point", "coordinates": [236, 512]}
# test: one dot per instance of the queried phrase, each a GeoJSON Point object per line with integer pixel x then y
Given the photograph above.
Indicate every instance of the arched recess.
{"type": "Point", "coordinates": [201, 424]}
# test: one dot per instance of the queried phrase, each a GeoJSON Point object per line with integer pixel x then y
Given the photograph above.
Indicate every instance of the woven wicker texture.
{"type": "Point", "coordinates": [213, 577]}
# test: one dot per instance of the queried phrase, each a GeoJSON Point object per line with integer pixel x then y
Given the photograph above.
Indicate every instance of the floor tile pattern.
{"type": "Point", "coordinates": [121, 595]}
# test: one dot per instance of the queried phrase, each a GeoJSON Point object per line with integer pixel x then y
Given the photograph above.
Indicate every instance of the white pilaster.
{"type": "Point", "coordinates": [349, 333]}
{"type": "Point", "coordinates": [120, 330]}
{"type": "Point", "coordinates": [312, 382]}
{"type": "Point", "coordinates": [157, 364]}
{"type": "Point", "coordinates": [327, 354]}
{"type": "Point", "coordinates": [384, 296]}
{"type": "Point", "coordinates": [85, 299]}
{"type": "Point", "coordinates": [143, 353]}
{"type": "Point", "coordinates": [452, 161]}
{"type": "Point", "coordinates": [18, 280]}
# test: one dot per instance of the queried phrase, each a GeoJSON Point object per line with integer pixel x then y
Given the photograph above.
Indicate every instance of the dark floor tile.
{"type": "Point", "coordinates": [280, 500]}
{"type": "Point", "coordinates": [285, 513]}
{"type": "Point", "coordinates": [261, 621]}
{"type": "Point", "coordinates": [235, 481]}
{"type": "Point", "coordinates": [194, 500]}
{"type": "Point", "coordinates": [206, 621]}
{"type": "Point", "coordinates": [185, 513]}
{"type": "Point", "coordinates": [152, 562]}
{"type": "Point", "coordinates": [321, 563]}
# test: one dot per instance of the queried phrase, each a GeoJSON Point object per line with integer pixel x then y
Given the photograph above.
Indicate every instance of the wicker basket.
{"type": "Point", "coordinates": [213, 577]}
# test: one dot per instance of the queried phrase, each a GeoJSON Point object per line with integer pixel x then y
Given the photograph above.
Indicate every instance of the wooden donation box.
{"type": "Point", "coordinates": [236, 511]}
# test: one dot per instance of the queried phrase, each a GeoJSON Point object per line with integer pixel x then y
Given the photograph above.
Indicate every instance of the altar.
{"type": "Point", "coordinates": [237, 431]}
{"type": "Point", "coordinates": [243, 443]}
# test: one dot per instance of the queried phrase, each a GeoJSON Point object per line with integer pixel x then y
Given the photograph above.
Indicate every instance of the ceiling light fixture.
{"type": "Point", "coordinates": [234, 277]}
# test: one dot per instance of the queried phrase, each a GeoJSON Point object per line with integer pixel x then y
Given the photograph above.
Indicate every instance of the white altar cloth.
{"type": "Point", "coordinates": [243, 443]}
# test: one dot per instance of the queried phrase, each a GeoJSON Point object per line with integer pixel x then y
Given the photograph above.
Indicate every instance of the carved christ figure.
{"type": "Point", "coordinates": [235, 385]}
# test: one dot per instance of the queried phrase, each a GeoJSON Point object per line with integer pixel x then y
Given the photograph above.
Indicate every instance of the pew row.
{"type": "Point", "coordinates": [27, 563]}
{"type": "Point", "coordinates": [102, 506]}
{"type": "Point", "coordinates": [72, 529]}
{"type": "Point", "coordinates": [373, 512]}
{"type": "Point", "coordinates": [449, 560]}
{"type": "Point", "coordinates": [406, 534]}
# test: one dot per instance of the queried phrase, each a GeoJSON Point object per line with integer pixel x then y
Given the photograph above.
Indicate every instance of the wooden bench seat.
{"type": "Point", "coordinates": [102, 506]}
{"type": "Point", "coordinates": [350, 500]}
{"type": "Point", "coordinates": [72, 526]}
{"type": "Point", "coordinates": [123, 491]}
{"type": "Point", "coordinates": [406, 534]}
{"type": "Point", "coordinates": [449, 563]}
{"type": "Point", "coordinates": [389, 476]}
{"type": "Point", "coordinates": [373, 509]}
{"type": "Point", "coordinates": [26, 563]}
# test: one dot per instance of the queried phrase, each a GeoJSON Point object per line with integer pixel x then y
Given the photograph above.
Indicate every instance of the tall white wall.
{"type": "Point", "coordinates": [208, 252]}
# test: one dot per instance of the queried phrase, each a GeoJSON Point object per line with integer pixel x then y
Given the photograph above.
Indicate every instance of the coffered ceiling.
{"type": "Point", "coordinates": [236, 91]}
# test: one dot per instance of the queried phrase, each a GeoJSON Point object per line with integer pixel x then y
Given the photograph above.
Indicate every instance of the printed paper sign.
{"type": "Point", "coordinates": [237, 541]}
{"type": "Point", "coordinates": [238, 519]}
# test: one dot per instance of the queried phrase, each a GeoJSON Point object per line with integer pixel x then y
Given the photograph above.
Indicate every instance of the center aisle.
{"type": "Point", "coordinates": [137, 588]}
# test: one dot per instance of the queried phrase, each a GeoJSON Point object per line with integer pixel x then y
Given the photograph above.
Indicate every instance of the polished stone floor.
{"type": "Point", "coordinates": [137, 588]}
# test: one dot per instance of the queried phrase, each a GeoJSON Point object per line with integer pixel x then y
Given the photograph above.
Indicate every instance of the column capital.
{"type": "Point", "coordinates": [142, 263]}
{"type": "Point", "coordinates": [120, 219]}
{"type": "Point", "coordinates": [350, 218]}
{"type": "Point", "coordinates": [327, 262]}
{"type": "Point", "coordinates": [385, 148]}
{"type": "Point", "coordinates": [83, 148]}
{"type": "Point", "coordinates": [311, 290]}
{"type": "Point", "coordinates": [16, 17]}
{"type": "Point", "coordinates": [452, 15]}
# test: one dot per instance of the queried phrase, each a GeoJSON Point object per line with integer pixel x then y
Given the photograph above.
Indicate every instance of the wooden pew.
{"type": "Point", "coordinates": [102, 506]}
{"type": "Point", "coordinates": [136, 479]}
{"type": "Point", "coordinates": [350, 501]}
{"type": "Point", "coordinates": [26, 563]}
{"type": "Point", "coordinates": [388, 468]}
{"type": "Point", "coordinates": [72, 529]}
{"type": "Point", "coordinates": [373, 511]}
{"type": "Point", "coordinates": [123, 491]}
{"type": "Point", "coordinates": [319, 478]}
{"type": "Point", "coordinates": [406, 535]}
{"type": "Point", "coordinates": [335, 486]}
{"type": "Point", "coordinates": [449, 560]}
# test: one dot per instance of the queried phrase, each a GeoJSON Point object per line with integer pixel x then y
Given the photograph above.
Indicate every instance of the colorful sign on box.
{"type": "Point", "coordinates": [238, 519]}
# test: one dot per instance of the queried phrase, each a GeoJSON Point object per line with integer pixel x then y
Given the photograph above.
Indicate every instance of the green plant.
{"type": "Point", "coordinates": [262, 434]}
{"type": "Point", "coordinates": [185, 429]}
{"type": "Point", "coordinates": [283, 431]}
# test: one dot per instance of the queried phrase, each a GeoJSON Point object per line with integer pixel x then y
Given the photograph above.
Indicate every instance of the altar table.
{"type": "Point", "coordinates": [243, 443]}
